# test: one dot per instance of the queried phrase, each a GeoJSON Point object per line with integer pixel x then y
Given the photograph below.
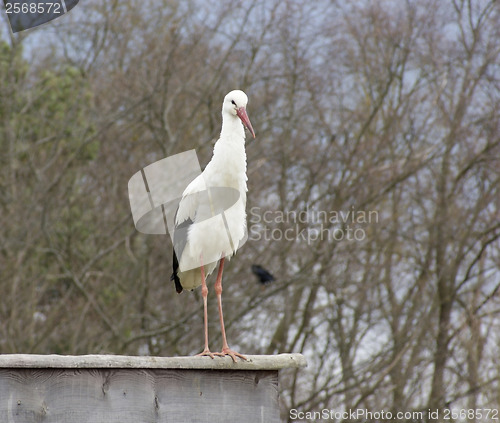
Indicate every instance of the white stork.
{"type": "Point", "coordinates": [210, 221]}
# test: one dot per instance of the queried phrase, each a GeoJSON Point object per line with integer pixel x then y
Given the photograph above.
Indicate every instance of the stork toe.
{"type": "Point", "coordinates": [231, 353]}
{"type": "Point", "coordinates": [206, 353]}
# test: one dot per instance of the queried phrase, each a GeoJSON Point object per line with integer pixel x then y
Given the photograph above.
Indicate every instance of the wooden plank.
{"type": "Point", "coordinates": [130, 395]}
{"type": "Point", "coordinates": [254, 362]}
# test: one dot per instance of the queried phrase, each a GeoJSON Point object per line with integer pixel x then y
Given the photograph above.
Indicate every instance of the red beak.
{"type": "Point", "coordinates": [242, 114]}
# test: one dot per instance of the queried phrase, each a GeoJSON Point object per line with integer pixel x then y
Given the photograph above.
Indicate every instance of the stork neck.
{"type": "Point", "coordinates": [229, 152]}
{"type": "Point", "coordinates": [232, 128]}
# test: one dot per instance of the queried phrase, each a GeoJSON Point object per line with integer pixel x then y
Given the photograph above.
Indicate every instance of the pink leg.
{"type": "Point", "coordinates": [218, 291]}
{"type": "Point", "coordinates": [204, 294]}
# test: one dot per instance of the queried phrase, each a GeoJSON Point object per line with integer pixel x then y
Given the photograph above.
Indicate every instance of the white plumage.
{"type": "Point", "coordinates": [210, 222]}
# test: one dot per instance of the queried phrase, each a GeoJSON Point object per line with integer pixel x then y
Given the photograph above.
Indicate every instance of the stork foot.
{"type": "Point", "coordinates": [230, 353]}
{"type": "Point", "coordinates": [206, 353]}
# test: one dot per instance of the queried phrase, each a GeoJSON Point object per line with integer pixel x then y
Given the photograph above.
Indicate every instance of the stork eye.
{"type": "Point", "coordinates": [232, 101]}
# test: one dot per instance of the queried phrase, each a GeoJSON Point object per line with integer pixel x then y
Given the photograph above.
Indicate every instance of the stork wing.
{"type": "Point", "coordinates": [184, 217]}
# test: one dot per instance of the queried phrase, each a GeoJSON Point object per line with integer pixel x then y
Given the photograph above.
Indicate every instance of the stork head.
{"type": "Point", "coordinates": [235, 104]}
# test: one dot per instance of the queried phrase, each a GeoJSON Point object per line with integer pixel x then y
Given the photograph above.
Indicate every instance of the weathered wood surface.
{"type": "Point", "coordinates": [254, 362]}
{"type": "Point", "coordinates": [115, 389]}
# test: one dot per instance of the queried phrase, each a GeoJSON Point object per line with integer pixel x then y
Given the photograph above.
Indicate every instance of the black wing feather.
{"type": "Point", "coordinates": [180, 240]}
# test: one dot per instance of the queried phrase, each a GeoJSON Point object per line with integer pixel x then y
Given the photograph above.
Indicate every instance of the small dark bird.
{"type": "Point", "coordinates": [263, 276]}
